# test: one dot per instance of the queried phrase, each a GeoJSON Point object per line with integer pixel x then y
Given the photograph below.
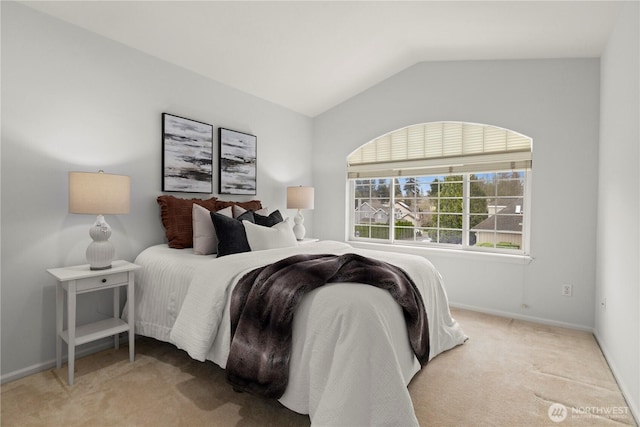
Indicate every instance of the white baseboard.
{"type": "Point", "coordinates": [635, 411]}
{"type": "Point", "coordinates": [522, 317]}
{"type": "Point", "coordinates": [86, 350]}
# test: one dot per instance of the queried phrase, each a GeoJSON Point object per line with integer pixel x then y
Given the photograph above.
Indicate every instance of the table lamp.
{"type": "Point", "coordinates": [299, 198]}
{"type": "Point", "coordinates": [99, 194]}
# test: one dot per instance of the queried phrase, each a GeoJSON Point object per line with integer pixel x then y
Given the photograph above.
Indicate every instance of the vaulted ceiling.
{"type": "Point", "coordinates": [309, 56]}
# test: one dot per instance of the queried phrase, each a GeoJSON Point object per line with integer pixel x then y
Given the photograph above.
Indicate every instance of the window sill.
{"type": "Point", "coordinates": [453, 253]}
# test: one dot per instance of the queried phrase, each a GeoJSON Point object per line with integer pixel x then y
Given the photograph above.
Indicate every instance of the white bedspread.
{"type": "Point", "coordinates": [351, 360]}
{"type": "Point", "coordinates": [161, 285]}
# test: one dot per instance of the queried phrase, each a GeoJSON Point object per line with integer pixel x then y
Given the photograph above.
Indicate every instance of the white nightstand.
{"type": "Point", "coordinates": [308, 240]}
{"type": "Point", "coordinates": [78, 280]}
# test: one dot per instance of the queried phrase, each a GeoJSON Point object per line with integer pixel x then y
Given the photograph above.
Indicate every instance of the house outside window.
{"type": "Point", "coordinates": [447, 184]}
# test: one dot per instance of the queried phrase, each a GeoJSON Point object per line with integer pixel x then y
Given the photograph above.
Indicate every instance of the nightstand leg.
{"type": "Point", "coordinates": [116, 314]}
{"type": "Point", "coordinates": [131, 304]}
{"type": "Point", "coordinates": [71, 326]}
{"type": "Point", "coordinates": [59, 314]}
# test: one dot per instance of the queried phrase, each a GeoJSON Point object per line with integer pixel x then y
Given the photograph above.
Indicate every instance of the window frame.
{"type": "Point", "coordinates": [440, 149]}
{"type": "Point", "coordinates": [466, 199]}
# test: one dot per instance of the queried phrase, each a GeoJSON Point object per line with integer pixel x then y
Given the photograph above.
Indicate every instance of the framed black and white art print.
{"type": "Point", "coordinates": [238, 154]}
{"type": "Point", "coordinates": [187, 156]}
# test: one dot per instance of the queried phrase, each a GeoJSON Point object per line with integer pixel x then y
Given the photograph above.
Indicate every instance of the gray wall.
{"type": "Point", "coordinates": [556, 102]}
{"type": "Point", "coordinates": [72, 100]}
{"type": "Point", "coordinates": [618, 274]}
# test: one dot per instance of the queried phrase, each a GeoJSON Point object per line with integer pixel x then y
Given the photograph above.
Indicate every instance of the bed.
{"type": "Point", "coordinates": [351, 355]}
{"type": "Point", "coordinates": [350, 361]}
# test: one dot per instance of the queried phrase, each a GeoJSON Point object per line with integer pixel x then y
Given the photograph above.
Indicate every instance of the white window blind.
{"type": "Point", "coordinates": [441, 148]}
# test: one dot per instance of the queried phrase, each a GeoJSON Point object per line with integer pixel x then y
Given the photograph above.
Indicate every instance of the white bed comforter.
{"type": "Point", "coordinates": [351, 360]}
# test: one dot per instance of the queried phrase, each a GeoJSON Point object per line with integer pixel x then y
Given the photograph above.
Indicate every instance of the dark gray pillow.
{"type": "Point", "coordinates": [232, 238]}
{"type": "Point", "coordinates": [268, 221]}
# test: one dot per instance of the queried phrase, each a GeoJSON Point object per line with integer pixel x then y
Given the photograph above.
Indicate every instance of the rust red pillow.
{"type": "Point", "coordinates": [176, 215]}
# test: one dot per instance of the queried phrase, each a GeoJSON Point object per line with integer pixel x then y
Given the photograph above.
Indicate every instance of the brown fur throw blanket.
{"type": "Point", "coordinates": [263, 304]}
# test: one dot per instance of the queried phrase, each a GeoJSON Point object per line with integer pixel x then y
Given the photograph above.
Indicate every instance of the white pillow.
{"type": "Point", "coordinates": [205, 241]}
{"type": "Point", "coordinates": [238, 210]}
{"type": "Point", "coordinates": [261, 237]}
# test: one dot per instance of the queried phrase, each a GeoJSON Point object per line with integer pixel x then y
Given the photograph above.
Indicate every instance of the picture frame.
{"type": "Point", "coordinates": [238, 162]}
{"type": "Point", "coordinates": [187, 155]}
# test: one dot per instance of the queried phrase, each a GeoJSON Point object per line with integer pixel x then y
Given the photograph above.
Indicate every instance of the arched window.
{"type": "Point", "coordinates": [447, 184]}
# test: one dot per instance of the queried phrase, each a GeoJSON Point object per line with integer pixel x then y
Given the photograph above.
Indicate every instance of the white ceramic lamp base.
{"type": "Point", "coordinates": [100, 252]}
{"type": "Point", "coordinates": [298, 228]}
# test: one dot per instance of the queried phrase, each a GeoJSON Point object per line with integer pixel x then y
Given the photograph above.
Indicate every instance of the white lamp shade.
{"type": "Point", "coordinates": [99, 193]}
{"type": "Point", "coordinates": [300, 197]}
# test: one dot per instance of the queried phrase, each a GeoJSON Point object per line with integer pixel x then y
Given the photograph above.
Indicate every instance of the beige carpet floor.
{"type": "Point", "coordinates": [509, 373]}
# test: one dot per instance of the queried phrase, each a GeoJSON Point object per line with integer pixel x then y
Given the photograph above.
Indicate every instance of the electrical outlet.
{"type": "Point", "coordinates": [567, 290]}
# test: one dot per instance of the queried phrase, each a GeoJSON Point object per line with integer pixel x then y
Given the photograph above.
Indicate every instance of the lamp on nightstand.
{"type": "Point", "coordinates": [99, 194]}
{"type": "Point", "coordinates": [299, 198]}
